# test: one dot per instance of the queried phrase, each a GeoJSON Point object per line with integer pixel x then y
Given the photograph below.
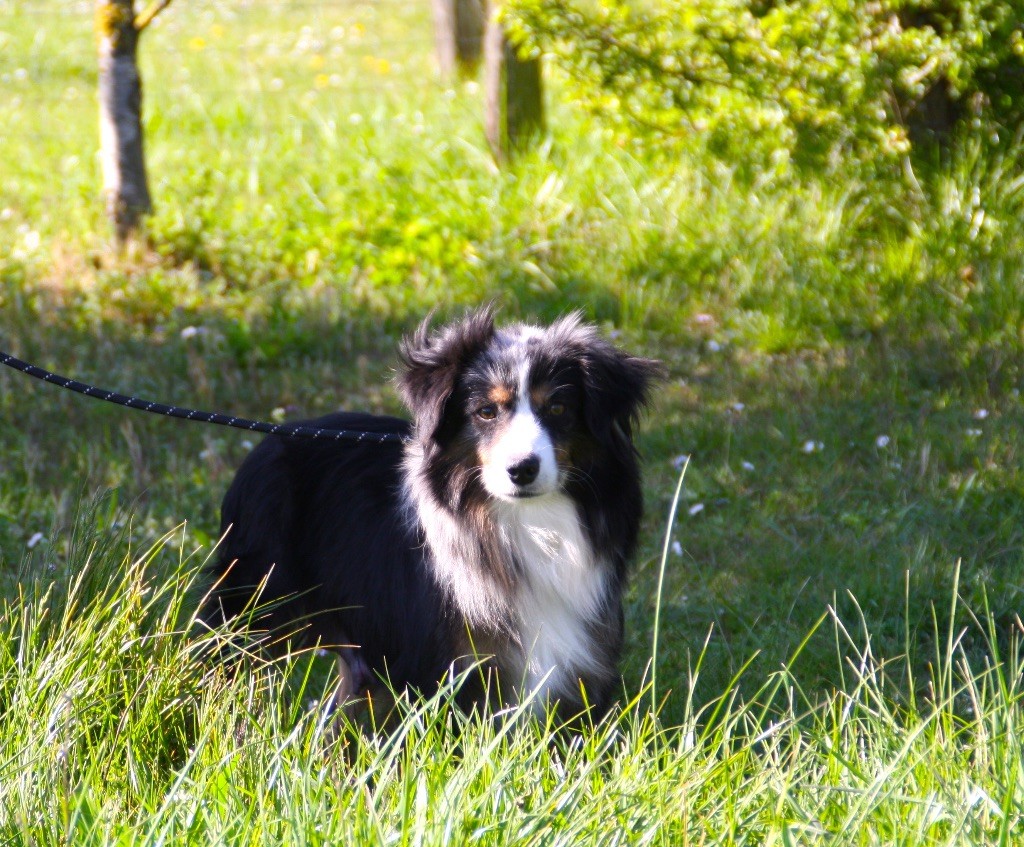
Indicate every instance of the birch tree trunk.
{"type": "Point", "coordinates": [125, 186]}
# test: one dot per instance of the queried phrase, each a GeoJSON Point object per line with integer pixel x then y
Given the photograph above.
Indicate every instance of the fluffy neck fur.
{"type": "Point", "coordinates": [561, 589]}
{"type": "Point", "coordinates": [523, 575]}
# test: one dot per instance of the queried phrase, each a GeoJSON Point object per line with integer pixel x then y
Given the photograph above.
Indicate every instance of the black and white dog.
{"type": "Point", "coordinates": [499, 533]}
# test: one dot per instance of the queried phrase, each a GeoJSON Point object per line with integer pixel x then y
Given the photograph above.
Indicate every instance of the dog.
{"type": "Point", "coordinates": [497, 537]}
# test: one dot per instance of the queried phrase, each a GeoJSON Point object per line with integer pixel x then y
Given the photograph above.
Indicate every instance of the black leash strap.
{"type": "Point", "coordinates": [294, 430]}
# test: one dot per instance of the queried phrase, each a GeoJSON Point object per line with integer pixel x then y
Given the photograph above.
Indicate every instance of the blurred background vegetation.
{"type": "Point", "coordinates": [783, 85]}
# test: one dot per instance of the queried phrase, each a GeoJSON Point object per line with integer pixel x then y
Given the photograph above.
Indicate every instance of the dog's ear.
{"type": "Point", "coordinates": [617, 387]}
{"type": "Point", "coordinates": [432, 362]}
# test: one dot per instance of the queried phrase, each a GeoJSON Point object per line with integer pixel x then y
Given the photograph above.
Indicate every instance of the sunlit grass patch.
{"type": "Point", "coordinates": [121, 725]}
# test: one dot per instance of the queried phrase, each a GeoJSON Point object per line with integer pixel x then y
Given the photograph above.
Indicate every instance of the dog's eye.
{"type": "Point", "coordinates": [488, 412]}
{"type": "Point", "coordinates": [556, 409]}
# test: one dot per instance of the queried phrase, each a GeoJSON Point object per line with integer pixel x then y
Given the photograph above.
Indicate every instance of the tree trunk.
{"type": "Point", "coordinates": [459, 31]}
{"type": "Point", "coordinates": [514, 107]}
{"type": "Point", "coordinates": [469, 32]}
{"type": "Point", "coordinates": [125, 187]}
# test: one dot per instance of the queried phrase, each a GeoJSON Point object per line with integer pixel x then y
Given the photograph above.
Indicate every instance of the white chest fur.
{"type": "Point", "coordinates": [562, 590]}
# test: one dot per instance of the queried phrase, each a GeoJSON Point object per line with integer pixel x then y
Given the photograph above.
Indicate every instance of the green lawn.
{"type": "Point", "coordinates": [838, 625]}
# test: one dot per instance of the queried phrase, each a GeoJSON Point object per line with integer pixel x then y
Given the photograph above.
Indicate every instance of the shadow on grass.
{"type": "Point", "coordinates": [847, 483]}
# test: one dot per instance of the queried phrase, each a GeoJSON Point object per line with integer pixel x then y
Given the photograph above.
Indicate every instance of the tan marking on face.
{"type": "Point", "coordinates": [502, 395]}
{"type": "Point", "coordinates": [483, 454]}
{"type": "Point", "coordinates": [539, 395]}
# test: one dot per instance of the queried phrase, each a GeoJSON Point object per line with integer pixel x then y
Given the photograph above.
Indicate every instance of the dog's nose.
{"type": "Point", "coordinates": [525, 470]}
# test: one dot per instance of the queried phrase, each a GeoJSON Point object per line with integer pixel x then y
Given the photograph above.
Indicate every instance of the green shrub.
{"type": "Point", "coordinates": [775, 83]}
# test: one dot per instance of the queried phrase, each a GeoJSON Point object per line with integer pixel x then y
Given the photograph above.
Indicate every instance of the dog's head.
{"type": "Point", "coordinates": [522, 407]}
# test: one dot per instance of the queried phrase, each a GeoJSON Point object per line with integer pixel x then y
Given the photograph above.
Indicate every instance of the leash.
{"type": "Point", "coordinates": [293, 430]}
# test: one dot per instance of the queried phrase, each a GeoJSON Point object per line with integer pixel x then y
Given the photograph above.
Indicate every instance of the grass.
{"type": "Point", "coordinates": [118, 730]}
{"type": "Point", "coordinates": [836, 607]}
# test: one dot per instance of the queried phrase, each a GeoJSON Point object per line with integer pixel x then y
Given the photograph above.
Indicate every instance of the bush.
{"type": "Point", "coordinates": [778, 83]}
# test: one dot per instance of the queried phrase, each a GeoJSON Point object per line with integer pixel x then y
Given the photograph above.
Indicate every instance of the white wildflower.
{"type": "Point", "coordinates": [747, 466]}
{"type": "Point", "coordinates": [882, 441]}
{"type": "Point", "coordinates": [811, 446]}
{"type": "Point", "coordinates": [35, 539]}
{"type": "Point", "coordinates": [696, 508]}
{"type": "Point", "coordinates": [980, 414]}
{"type": "Point", "coordinates": [677, 548]}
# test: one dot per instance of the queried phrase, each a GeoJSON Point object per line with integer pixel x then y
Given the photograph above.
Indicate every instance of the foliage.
{"type": "Point", "coordinates": [811, 81]}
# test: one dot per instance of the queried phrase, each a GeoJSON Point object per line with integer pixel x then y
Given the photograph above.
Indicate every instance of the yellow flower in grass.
{"type": "Point", "coordinates": [197, 43]}
{"type": "Point", "coordinates": [376, 65]}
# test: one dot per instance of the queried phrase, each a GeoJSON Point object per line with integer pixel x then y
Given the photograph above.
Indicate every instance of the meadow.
{"type": "Point", "coordinates": [834, 597]}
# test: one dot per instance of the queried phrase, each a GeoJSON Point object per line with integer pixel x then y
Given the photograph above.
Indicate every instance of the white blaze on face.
{"type": "Point", "coordinates": [522, 437]}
